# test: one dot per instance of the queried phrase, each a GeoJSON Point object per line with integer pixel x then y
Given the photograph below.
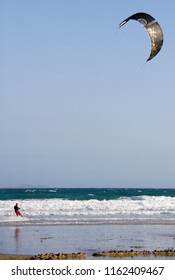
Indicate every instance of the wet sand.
{"type": "Point", "coordinates": [24, 242]}
{"type": "Point", "coordinates": [14, 257]}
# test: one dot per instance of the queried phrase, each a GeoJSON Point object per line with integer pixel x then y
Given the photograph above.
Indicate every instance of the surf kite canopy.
{"type": "Point", "coordinates": [153, 28]}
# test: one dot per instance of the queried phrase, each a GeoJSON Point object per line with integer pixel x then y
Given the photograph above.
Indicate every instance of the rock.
{"type": "Point", "coordinates": [132, 253]}
{"type": "Point", "coordinates": [59, 256]}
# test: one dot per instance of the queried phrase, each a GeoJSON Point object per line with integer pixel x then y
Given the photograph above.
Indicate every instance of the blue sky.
{"type": "Point", "coordinates": [78, 104]}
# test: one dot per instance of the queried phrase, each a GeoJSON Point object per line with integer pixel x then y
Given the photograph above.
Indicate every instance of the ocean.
{"type": "Point", "coordinates": [84, 206]}
{"type": "Point", "coordinates": [66, 220]}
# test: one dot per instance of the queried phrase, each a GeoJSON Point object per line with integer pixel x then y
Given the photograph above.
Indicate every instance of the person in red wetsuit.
{"type": "Point", "coordinates": [17, 212]}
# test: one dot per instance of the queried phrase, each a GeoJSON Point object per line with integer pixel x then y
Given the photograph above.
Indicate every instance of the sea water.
{"type": "Point", "coordinates": [86, 219]}
{"type": "Point", "coordinates": [83, 206]}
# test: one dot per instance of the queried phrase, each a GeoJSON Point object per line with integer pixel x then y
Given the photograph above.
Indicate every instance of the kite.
{"type": "Point", "coordinates": [153, 28]}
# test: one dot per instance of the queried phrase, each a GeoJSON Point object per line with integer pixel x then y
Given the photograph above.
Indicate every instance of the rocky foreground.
{"type": "Point", "coordinates": [59, 256]}
{"type": "Point", "coordinates": [133, 253]}
{"type": "Point", "coordinates": [112, 254]}
{"type": "Point", "coordinates": [81, 255]}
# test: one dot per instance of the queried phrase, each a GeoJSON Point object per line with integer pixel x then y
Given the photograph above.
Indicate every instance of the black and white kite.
{"type": "Point", "coordinates": [153, 28]}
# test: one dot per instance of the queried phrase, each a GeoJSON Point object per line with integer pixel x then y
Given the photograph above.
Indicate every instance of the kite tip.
{"type": "Point", "coordinates": [122, 23]}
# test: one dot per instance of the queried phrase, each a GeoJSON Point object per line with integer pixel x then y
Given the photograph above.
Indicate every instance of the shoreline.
{"type": "Point", "coordinates": [119, 223]}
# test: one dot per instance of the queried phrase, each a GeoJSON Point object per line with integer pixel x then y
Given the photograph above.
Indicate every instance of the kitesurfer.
{"type": "Point", "coordinates": [17, 212]}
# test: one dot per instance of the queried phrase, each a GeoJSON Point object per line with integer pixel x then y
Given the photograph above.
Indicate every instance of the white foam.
{"type": "Point", "coordinates": [90, 211]}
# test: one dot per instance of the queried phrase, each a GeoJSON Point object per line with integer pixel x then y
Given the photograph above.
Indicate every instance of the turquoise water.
{"type": "Point", "coordinates": [82, 193]}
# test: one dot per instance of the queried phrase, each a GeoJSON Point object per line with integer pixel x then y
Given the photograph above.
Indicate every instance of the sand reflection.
{"type": "Point", "coordinates": [17, 237]}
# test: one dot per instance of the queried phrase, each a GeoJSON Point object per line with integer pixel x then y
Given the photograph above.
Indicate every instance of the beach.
{"type": "Point", "coordinates": [22, 242]}
{"type": "Point", "coordinates": [79, 223]}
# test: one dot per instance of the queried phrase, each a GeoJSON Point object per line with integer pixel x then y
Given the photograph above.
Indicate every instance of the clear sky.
{"type": "Point", "coordinates": [78, 104]}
